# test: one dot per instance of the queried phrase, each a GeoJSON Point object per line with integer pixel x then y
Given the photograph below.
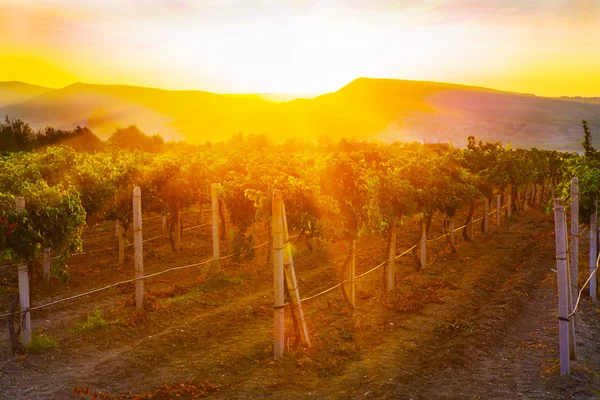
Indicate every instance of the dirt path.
{"type": "Point", "coordinates": [494, 335]}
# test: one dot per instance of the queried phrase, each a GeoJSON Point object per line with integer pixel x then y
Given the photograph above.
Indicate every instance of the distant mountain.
{"type": "Point", "coordinates": [383, 109]}
{"type": "Point", "coordinates": [16, 92]}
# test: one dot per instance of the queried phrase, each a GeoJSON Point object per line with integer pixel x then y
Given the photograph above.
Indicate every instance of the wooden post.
{"type": "Point", "coordinates": [164, 223]}
{"type": "Point", "coordinates": [563, 287]}
{"type": "Point", "coordinates": [119, 232]}
{"type": "Point", "coordinates": [526, 200]}
{"type": "Point", "coordinates": [571, 320]}
{"type": "Point", "coordinates": [292, 285]}
{"type": "Point", "coordinates": [519, 204]}
{"type": "Point", "coordinates": [498, 209]}
{"type": "Point", "coordinates": [471, 227]}
{"type": "Point", "coordinates": [138, 248]}
{"type": "Point", "coordinates": [423, 242]}
{"type": "Point", "coordinates": [352, 275]}
{"type": "Point", "coordinates": [214, 188]}
{"type": "Point", "coordinates": [509, 208]}
{"type": "Point", "coordinates": [574, 262]}
{"type": "Point", "coordinates": [391, 267]}
{"type": "Point", "coordinates": [451, 227]}
{"type": "Point", "coordinates": [486, 216]}
{"type": "Point", "coordinates": [23, 277]}
{"type": "Point", "coordinates": [47, 261]}
{"type": "Point", "coordinates": [593, 250]}
{"type": "Point", "coordinates": [277, 226]}
{"type": "Point", "coordinates": [177, 238]}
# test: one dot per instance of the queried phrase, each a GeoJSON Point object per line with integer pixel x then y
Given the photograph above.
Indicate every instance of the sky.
{"type": "Point", "coordinates": [544, 47]}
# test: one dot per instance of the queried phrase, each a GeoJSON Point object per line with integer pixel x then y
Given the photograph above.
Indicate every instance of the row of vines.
{"type": "Point", "coordinates": [336, 194]}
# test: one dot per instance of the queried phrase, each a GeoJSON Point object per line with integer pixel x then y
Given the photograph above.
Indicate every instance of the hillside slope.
{"type": "Point", "coordinates": [16, 92]}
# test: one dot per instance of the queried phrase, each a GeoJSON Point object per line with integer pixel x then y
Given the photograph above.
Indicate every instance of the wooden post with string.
{"type": "Point", "coordinates": [278, 273]}
{"type": "Point", "coordinates": [391, 267]}
{"type": "Point", "coordinates": [214, 189]}
{"type": "Point", "coordinates": [423, 242]}
{"type": "Point", "coordinates": [574, 248]}
{"type": "Point", "coordinates": [563, 287]}
{"type": "Point", "coordinates": [498, 209]}
{"type": "Point", "coordinates": [177, 238]}
{"type": "Point", "coordinates": [594, 250]}
{"type": "Point", "coordinates": [486, 216]}
{"type": "Point", "coordinates": [352, 275]}
{"type": "Point", "coordinates": [292, 285]}
{"type": "Point", "coordinates": [451, 229]}
{"type": "Point", "coordinates": [23, 277]}
{"type": "Point", "coordinates": [138, 248]}
{"type": "Point", "coordinates": [571, 320]}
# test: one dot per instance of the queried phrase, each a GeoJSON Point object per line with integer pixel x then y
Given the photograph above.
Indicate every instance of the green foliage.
{"type": "Point", "coordinates": [41, 342]}
{"type": "Point", "coordinates": [94, 321]}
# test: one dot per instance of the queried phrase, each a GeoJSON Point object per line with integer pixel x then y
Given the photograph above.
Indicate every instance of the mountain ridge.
{"type": "Point", "coordinates": [366, 108]}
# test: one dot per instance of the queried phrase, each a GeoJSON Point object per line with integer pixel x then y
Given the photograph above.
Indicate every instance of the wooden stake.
{"type": "Point", "coordinates": [214, 189]}
{"type": "Point", "coordinates": [164, 223]}
{"type": "Point", "coordinates": [572, 346]}
{"type": "Point", "coordinates": [593, 250]}
{"type": "Point", "coordinates": [47, 261]}
{"type": "Point", "coordinates": [486, 216]}
{"type": "Point", "coordinates": [391, 267]}
{"type": "Point", "coordinates": [423, 242]}
{"type": "Point", "coordinates": [138, 248]}
{"type": "Point", "coordinates": [119, 232]}
{"type": "Point", "coordinates": [498, 209]}
{"type": "Point", "coordinates": [23, 277]}
{"type": "Point", "coordinates": [563, 287]}
{"type": "Point", "coordinates": [574, 262]}
{"type": "Point", "coordinates": [177, 238]}
{"type": "Point", "coordinates": [451, 228]}
{"type": "Point", "coordinates": [292, 285]}
{"type": "Point", "coordinates": [509, 208]}
{"type": "Point", "coordinates": [352, 275]}
{"type": "Point", "coordinates": [277, 226]}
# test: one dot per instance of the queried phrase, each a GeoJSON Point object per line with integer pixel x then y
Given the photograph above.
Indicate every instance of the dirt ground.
{"type": "Point", "coordinates": [479, 324]}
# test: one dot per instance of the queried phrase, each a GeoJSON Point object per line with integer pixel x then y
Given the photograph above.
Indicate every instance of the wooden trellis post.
{"type": "Point", "coordinates": [278, 304]}
{"type": "Point", "coordinates": [486, 216]}
{"type": "Point", "coordinates": [352, 275]}
{"type": "Point", "coordinates": [391, 267]}
{"type": "Point", "coordinates": [138, 248]}
{"type": "Point", "coordinates": [47, 262]}
{"type": "Point", "coordinates": [423, 242]}
{"type": "Point", "coordinates": [571, 320]}
{"type": "Point", "coordinates": [23, 277]}
{"type": "Point", "coordinates": [451, 228]}
{"type": "Point", "coordinates": [574, 262]}
{"type": "Point", "coordinates": [119, 232]}
{"type": "Point", "coordinates": [509, 205]}
{"type": "Point", "coordinates": [498, 209]}
{"type": "Point", "coordinates": [292, 285]}
{"type": "Point", "coordinates": [593, 250]}
{"type": "Point", "coordinates": [177, 238]}
{"type": "Point", "coordinates": [563, 287]}
{"type": "Point", "coordinates": [214, 188]}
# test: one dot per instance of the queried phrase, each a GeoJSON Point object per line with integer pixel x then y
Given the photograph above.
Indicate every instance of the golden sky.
{"type": "Point", "coordinates": [545, 47]}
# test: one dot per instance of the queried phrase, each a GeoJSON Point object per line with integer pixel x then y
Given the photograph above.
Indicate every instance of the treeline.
{"type": "Point", "coordinates": [16, 135]}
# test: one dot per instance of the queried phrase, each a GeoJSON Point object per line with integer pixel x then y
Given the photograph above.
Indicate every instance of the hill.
{"type": "Point", "coordinates": [382, 109]}
{"type": "Point", "coordinates": [16, 92]}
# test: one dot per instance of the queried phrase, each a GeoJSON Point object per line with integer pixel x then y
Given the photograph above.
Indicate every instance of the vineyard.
{"type": "Point", "coordinates": [252, 270]}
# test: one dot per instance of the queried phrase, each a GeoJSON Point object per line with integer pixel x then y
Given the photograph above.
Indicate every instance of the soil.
{"type": "Point", "coordinates": [480, 323]}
